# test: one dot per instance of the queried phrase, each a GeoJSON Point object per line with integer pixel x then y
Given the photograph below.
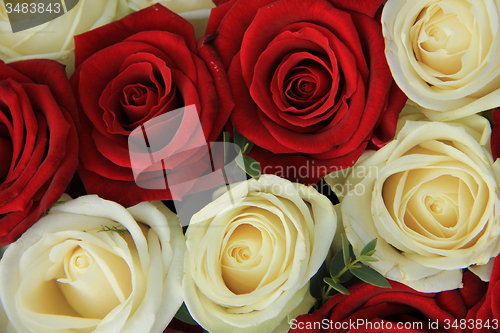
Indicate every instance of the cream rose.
{"type": "Point", "coordinates": [431, 198]}
{"type": "Point", "coordinates": [54, 39]}
{"type": "Point", "coordinates": [195, 11]}
{"type": "Point", "coordinates": [248, 266]}
{"type": "Point", "coordinates": [91, 265]}
{"type": "Point", "coordinates": [444, 54]}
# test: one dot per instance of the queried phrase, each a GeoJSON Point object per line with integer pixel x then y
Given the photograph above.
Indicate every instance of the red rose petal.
{"type": "Point", "coordinates": [153, 18]}
{"type": "Point", "coordinates": [367, 7]}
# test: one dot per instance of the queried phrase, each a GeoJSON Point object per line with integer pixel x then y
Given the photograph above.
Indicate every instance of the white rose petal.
{"type": "Point", "coordinates": [68, 273]}
{"type": "Point", "coordinates": [444, 54]}
{"type": "Point", "coordinates": [431, 199]}
{"type": "Point", "coordinates": [54, 39]}
{"type": "Point", "coordinates": [248, 266]}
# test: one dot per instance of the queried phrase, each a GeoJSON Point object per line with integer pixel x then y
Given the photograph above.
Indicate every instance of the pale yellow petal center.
{"type": "Point", "coordinates": [442, 37]}
{"type": "Point", "coordinates": [93, 280]}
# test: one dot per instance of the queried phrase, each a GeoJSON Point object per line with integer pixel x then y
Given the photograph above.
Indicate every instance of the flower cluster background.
{"type": "Point", "coordinates": [365, 131]}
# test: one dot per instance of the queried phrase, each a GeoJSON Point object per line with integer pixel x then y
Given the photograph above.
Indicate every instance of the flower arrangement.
{"type": "Point", "coordinates": [249, 166]}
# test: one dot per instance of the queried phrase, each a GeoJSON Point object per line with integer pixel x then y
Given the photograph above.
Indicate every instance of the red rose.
{"type": "Point", "coordinates": [309, 79]}
{"type": "Point", "coordinates": [38, 142]}
{"type": "Point", "coordinates": [381, 309]}
{"type": "Point", "coordinates": [131, 71]}
{"type": "Point", "coordinates": [489, 309]}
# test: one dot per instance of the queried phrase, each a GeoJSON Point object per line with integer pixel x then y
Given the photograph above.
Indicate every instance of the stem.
{"type": "Point", "coordinates": [337, 277]}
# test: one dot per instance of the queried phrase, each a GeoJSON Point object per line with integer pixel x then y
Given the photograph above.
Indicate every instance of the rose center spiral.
{"type": "Point", "coordinates": [441, 36]}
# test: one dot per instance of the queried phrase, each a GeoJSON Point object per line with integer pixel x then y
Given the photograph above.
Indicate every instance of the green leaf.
{"type": "Point", "coordinates": [369, 253]}
{"type": "Point", "coordinates": [369, 248]}
{"type": "Point", "coordinates": [367, 258]}
{"type": "Point", "coordinates": [248, 147]}
{"type": "Point", "coordinates": [346, 250]}
{"type": "Point", "coordinates": [252, 167]}
{"type": "Point", "coordinates": [370, 276]}
{"type": "Point", "coordinates": [239, 139]}
{"type": "Point", "coordinates": [242, 142]}
{"type": "Point", "coordinates": [345, 277]}
{"type": "Point", "coordinates": [337, 264]}
{"type": "Point", "coordinates": [337, 286]}
{"type": "Point", "coordinates": [184, 316]}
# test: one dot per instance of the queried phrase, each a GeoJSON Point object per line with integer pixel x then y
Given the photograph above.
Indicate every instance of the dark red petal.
{"type": "Point", "coordinates": [245, 116]}
{"type": "Point", "coordinates": [473, 290]}
{"type": "Point", "coordinates": [218, 113]}
{"type": "Point", "coordinates": [15, 223]}
{"type": "Point", "coordinates": [495, 135]}
{"type": "Point", "coordinates": [452, 301]}
{"type": "Point", "coordinates": [42, 162]}
{"type": "Point", "coordinates": [126, 193]}
{"type": "Point", "coordinates": [368, 7]}
{"type": "Point", "coordinates": [217, 15]}
{"type": "Point", "coordinates": [386, 128]}
{"type": "Point", "coordinates": [233, 26]}
{"type": "Point", "coordinates": [153, 18]}
{"type": "Point", "coordinates": [269, 22]}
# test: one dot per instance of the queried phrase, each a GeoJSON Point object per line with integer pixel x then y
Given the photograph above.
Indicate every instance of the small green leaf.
{"type": "Point", "coordinates": [242, 142]}
{"type": "Point", "coordinates": [248, 146]}
{"type": "Point", "coordinates": [184, 316]}
{"type": "Point", "coordinates": [226, 137]}
{"type": "Point", "coordinates": [337, 286]}
{"type": "Point", "coordinates": [369, 253]}
{"type": "Point", "coordinates": [337, 264]}
{"type": "Point", "coordinates": [239, 139]}
{"type": "Point", "coordinates": [370, 276]}
{"type": "Point", "coordinates": [345, 277]}
{"type": "Point", "coordinates": [245, 148]}
{"type": "Point", "coordinates": [346, 250]}
{"type": "Point", "coordinates": [252, 167]}
{"type": "Point", "coordinates": [367, 258]}
{"type": "Point", "coordinates": [369, 247]}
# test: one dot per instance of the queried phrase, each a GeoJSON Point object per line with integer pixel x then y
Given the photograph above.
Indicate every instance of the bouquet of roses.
{"type": "Point", "coordinates": [249, 166]}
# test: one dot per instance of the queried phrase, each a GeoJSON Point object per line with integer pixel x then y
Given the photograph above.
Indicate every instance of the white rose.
{"type": "Point", "coordinates": [54, 39]}
{"type": "Point", "coordinates": [431, 198]}
{"type": "Point", "coordinates": [195, 11]}
{"type": "Point", "coordinates": [66, 274]}
{"type": "Point", "coordinates": [248, 266]}
{"type": "Point", "coordinates": [444, 54]}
